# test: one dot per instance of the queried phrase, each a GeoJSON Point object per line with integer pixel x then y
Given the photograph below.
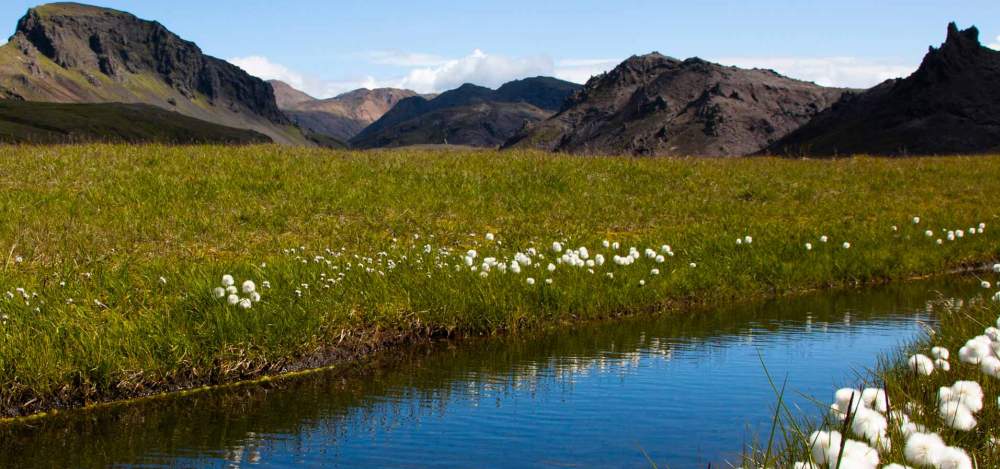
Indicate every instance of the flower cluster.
{"type": "Point", "coordinates": [231, 293]}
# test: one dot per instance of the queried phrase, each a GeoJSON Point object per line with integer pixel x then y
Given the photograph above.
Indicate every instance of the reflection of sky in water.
{"type": "Point", "coordinates": [687, 391]}
{"type": "Point", "coordinates": [681, 401]}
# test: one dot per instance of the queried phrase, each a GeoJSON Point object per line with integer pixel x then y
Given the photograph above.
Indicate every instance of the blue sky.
{"type": "Point", "coordinates": [327, 47]}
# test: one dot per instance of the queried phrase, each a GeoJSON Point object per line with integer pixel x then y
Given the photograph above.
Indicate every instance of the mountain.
{"type": "Point", "coordinates": [658, 105]}
{"type": "Point", "coordinates": [468, 115]}
{"type": "Point", "coordinates": [340, 117]}
{"type": "Point", "coordinates": [285, 96]}
{"type": "Point", "coordinates": [73, 53]}
{"type": "Point", "coordinates": [46, 123]}
{"type": "Point", "coordinates": [950, 105]}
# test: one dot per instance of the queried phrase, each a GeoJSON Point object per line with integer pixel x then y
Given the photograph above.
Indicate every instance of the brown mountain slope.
{"type": "Point", "coordinates": [950, 105]}
{"type": "Point", "coordinates": [73, 53]}
{"type": "Point", "coordinates": [657, 105]}
{"type": "Point", "coordinates": [340, 117]}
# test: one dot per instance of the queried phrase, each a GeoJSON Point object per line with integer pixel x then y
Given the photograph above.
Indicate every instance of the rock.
{"type": "Point", "coordinates": [950, 105]}
{"type": "Point", "coordinates": [657, 105]}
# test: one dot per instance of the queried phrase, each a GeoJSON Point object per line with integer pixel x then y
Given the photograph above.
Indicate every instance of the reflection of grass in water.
{"type": "Point", "coordinates": [109, 221]}
{"type": "Point", "coordinates": [910, 394]}
{"type": "Point", "coordinates": [355, 398]}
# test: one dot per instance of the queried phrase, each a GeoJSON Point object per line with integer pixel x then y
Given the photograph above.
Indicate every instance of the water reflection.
{"type": "Point", "coordinates": [686, 389]}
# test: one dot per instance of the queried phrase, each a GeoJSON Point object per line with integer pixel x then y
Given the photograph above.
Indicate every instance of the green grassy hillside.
{"type": "Point", "coordinates": [112, 254]}
{"type": "Point", "coordinates": [32, 122]}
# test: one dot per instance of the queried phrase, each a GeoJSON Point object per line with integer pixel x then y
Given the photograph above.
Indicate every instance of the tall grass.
{"type": "Point", "coordinates": [91, 230]}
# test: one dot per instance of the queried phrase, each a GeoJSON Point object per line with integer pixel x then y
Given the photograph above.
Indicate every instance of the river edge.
{"type": "Point", "coordinates": [363, 351]}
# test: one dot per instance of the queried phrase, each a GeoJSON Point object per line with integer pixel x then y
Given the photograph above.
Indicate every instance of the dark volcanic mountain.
{"type": "Point", "coordinates": [468, 115]}
{"type": "Point", "coordinates": [340, 117]}
{"type": "Point", "coordinates": [48, 123]}
{"type": "Point", "coordinates": [73, 53]}
{"type": "Point", "coordinates": [657, 105]}
{"type": "Point", "coordinates": [951, 104]}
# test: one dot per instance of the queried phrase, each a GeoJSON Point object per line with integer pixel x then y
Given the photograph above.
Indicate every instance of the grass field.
{"type": "Point", "coordinates": [111, 255]}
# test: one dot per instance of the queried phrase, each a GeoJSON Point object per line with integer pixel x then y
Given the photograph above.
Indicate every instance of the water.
{"type": "Point", "coordinates": [685, 390]}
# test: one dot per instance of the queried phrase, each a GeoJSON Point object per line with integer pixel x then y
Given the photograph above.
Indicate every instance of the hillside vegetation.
{"type": "Point", "coordinates": [46, 123]}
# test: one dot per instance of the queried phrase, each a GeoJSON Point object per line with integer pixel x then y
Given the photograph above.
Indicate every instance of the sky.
{"type": "Point", "coordinates": [326, 47]}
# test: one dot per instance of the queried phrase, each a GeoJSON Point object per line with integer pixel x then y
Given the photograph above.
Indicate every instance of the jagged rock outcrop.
{"type": "Point", "coordinates": [340, 117]}
{"type": "Point", "coordinates": [950, 105]}
{"type": "Point", "coordinates": [468, 115]}
{"type": "Point", "coordinates": [69, 52]}
{"type": "Point", "coordinates": [658, 105]}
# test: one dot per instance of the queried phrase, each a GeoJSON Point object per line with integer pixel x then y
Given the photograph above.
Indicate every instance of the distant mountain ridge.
{"type": "Point", "coordinates": [657, 105]}
{"type": "Point", "coordinates": [950, 105]}
{"type": "Point", "coordinates": [468, 115]}
{"type": "Point", "coordinates": [341, 117]}
{"type": "Point", "coordinates": [74, 53]}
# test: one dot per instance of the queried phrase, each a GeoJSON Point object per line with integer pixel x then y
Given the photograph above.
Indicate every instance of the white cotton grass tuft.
{"type": "Point", "coordinates": [530, 281]}
{"type": "Point", "coordinates": [990, 365]}
{"type": "Point", "coordinates": [249, 287]}
{"type": "Point", "coordinates": [245, 303]}
{"type": "Point", "coordinates": [975, 349]}
{"type": "Point", "coordinates": [957, 416]}
{"type": "Point", "coordinates": [921, 364]}
{"type": "Point", "coordinates": [967, 393]}
{"type": "Point", "coordinates": [846, 245]}
{"type": "Point", "coordinates": [876, 398]}
{"type": "Point", "coordinates": [233, 299]}
{"type": "Point", "coordinates": [820, 444]}
{"type": "Point", "coordinates": [940, 352]}
{"type": "Point", "coordinates": [219, 292]}
{"type": "Point", "coordinates": [984, 284]}
{"type": "Point", "coordinates": [871, 426]}
{"type": "Point", "coordinates": [809, 247]}
{"type": "Point", "coordinates": [952, 457]}
{"type": "Point", "coordinates": [942, 364]}
{"type": "Point", "coordinates": [824, 238]}
{"type": "Point", "coordinates": [227, 280]}
{"type": "Point", "coordinates": [924, 449]}
{"type": "Point", "coordinates": [896, 466]}
{"type": "Point", "coordinates": [916, 220]}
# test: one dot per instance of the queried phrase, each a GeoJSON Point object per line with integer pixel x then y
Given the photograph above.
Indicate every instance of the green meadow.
{"type": "Point", "coordinates": [112, 257]}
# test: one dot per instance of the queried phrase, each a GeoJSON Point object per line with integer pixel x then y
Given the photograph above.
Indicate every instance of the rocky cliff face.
{"type": "Point", "coordinates": [657, 105]}
{"type": "Point", "coordinates": [68, 52]}
{"type": "Point", "coordinates": [468, 115]}
{"type": "Point", "coordinates": [950, 105]}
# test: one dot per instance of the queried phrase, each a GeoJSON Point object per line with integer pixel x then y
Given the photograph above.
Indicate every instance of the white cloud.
{"type": "Point", "coordinates": [580, 70]}
{"type": "Point", "coordinates": [849, 72]}
{"type": "Point", "coordinates": [263, 68]}
{"type": "Point", "coordinates": [995, 45]}
{"type": "Point", "coordinates": [479, 68]}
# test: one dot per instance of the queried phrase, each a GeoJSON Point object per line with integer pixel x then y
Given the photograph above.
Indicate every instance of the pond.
{"type": "Point", "coordinates": [681, 389]}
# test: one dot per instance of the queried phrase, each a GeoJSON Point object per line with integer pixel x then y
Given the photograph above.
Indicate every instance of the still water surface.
{"type": "Point", "coordinates": [685, 389]}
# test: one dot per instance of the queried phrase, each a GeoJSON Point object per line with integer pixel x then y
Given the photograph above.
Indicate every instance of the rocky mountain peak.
{"type": "Point", "coordinates": [118, 45]}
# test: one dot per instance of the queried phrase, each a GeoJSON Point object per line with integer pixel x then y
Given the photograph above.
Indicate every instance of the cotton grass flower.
{"type": "Point", "coordinates": [820, 444]}
{"type": "Point", "coordinates": [163, 280]}
{"type": "Point", "coordinates": [966, 393]}
{"type": "Point", "coordinates": [530, 281]}
{"type": "Point", "coordinates": [940, 352]}
{"type": "Point", "coordinates": [952, 457]}
{"type": "Point", "coordinates": [942, 364]}
{"type": "Point", "coordinates": [916, 220]}
{"type": "Point", "coordinates": [957, 416]}
{"type": "Point", "coordinates": [846, 245]}
{"type": "Point", "coordinates": [245, 303]}
{"type": "Point", "coordinates": [227, 280]}
{"type": "Point", "coordinates": [249, 287]}
{"type": "Point", "coordinates": [490, 237]}
{"type": "Point", "coordinates": [219, 292]}
{"type": "Point", "coordinates": [823, 239]}
{"type": "Point", "coordinates": [557, 247]}
{"type": "Point", "coordinates": [809, 247]}
{"type": "Point", "coordinates": [924, 449]}
{"type": "Point", "coordinates": [921, 364]}
{"type": "Point", "coordinates": [233, 300]}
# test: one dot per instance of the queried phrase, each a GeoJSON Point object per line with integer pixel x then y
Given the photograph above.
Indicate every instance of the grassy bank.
{"type": "Point", "coordinates": [111, 254]}
{"type": "Point", "coordinates": [942, 413]}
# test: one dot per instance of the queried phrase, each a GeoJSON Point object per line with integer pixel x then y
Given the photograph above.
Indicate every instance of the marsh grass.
{"type": "Point", "coordinates": [101, 224]}
{"type": "Point", "coordinates": [914, 394]}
